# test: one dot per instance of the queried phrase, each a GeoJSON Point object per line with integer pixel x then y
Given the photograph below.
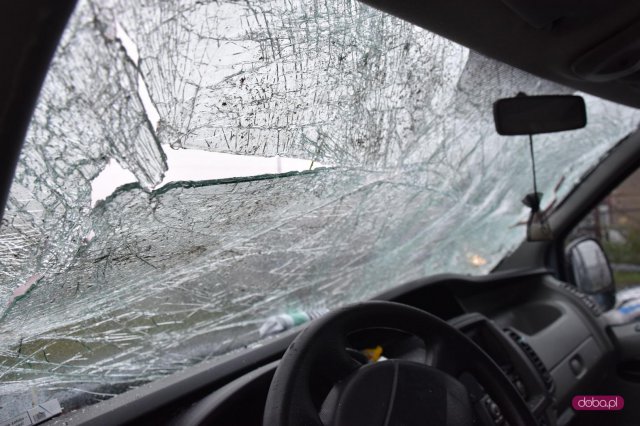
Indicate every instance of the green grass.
{"type": "Point", "coordinates": [625, 279]}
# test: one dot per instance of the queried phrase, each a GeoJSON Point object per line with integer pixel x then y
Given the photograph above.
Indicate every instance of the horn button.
{"type": "Point", "coordinates": [397, 392]}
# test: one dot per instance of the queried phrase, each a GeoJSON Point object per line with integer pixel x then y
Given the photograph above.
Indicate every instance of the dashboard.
{"type": "Point", "coordinates": [548, 338]}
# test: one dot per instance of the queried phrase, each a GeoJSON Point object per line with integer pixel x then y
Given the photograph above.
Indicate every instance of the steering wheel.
{"type": "Point", "coordinates": [319, 384]}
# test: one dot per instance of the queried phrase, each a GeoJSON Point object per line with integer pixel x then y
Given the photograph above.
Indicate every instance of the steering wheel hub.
{"type": "Point", "coordinates": [397, 392]}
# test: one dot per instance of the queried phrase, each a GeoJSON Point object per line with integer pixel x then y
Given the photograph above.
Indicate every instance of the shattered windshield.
{"type": "Point", "coordinates": [366, 157]}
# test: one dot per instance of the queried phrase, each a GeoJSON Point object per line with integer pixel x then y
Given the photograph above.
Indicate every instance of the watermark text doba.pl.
{"type": "Point", "coordinates": [597, 402]}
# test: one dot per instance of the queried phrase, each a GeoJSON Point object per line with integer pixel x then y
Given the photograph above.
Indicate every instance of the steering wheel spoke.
{"type": "Point", "coordinates": [441, 358]}
{"type": "Point", "coordinates": [337, 364]}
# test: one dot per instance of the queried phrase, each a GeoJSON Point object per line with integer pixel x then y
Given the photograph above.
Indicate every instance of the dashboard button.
{"type": "Point", "coordinates": [576, 366]}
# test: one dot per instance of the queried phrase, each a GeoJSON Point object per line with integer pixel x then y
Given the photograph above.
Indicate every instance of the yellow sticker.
{"type": "Point", "coordinates": [373, 354]}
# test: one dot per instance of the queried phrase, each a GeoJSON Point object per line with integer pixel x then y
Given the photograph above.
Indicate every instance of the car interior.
{"type": "Point", "coordinates": [513, 347]}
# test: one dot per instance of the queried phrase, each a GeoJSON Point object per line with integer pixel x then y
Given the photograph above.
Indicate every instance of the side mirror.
{"type": "Point", "coordinates": [589, 270]}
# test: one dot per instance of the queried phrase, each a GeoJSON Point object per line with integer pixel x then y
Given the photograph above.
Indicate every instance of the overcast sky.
{"type": "Point", "coordinates": [195, 165]}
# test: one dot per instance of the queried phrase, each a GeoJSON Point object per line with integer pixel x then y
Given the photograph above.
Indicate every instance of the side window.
{"type": "Point", "coordinates": [615, 224]}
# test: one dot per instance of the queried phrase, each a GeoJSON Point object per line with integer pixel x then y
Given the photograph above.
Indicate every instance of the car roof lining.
{"type": "Point", "coordinates": [494, 29]}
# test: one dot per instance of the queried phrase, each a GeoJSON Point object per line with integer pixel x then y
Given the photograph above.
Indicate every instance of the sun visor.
{"type": "Point", "coordinates": [614, 59]}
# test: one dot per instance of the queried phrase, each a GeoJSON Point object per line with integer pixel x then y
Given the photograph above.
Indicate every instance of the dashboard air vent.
{"type": "Point", "coordinates": [584, 298]}
{"type": "Point", "coordinates": [533, 357]}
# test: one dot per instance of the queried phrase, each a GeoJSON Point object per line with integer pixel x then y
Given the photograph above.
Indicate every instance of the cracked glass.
{"type": "Point", "coordinates": [102, 297]}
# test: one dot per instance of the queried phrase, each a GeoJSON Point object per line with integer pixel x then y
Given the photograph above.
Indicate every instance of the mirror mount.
{"type": "Point", "coordinates": [538, 228]}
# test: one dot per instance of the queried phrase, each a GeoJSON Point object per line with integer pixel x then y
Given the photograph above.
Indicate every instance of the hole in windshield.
{"type": "Point", "coordinates": [197, 165]}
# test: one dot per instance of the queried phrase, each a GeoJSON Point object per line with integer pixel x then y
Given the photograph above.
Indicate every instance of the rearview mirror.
{"type": "Point", "coordinates": [529, 115]}
{"type": "Point", "coordinates": [588, 268]}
